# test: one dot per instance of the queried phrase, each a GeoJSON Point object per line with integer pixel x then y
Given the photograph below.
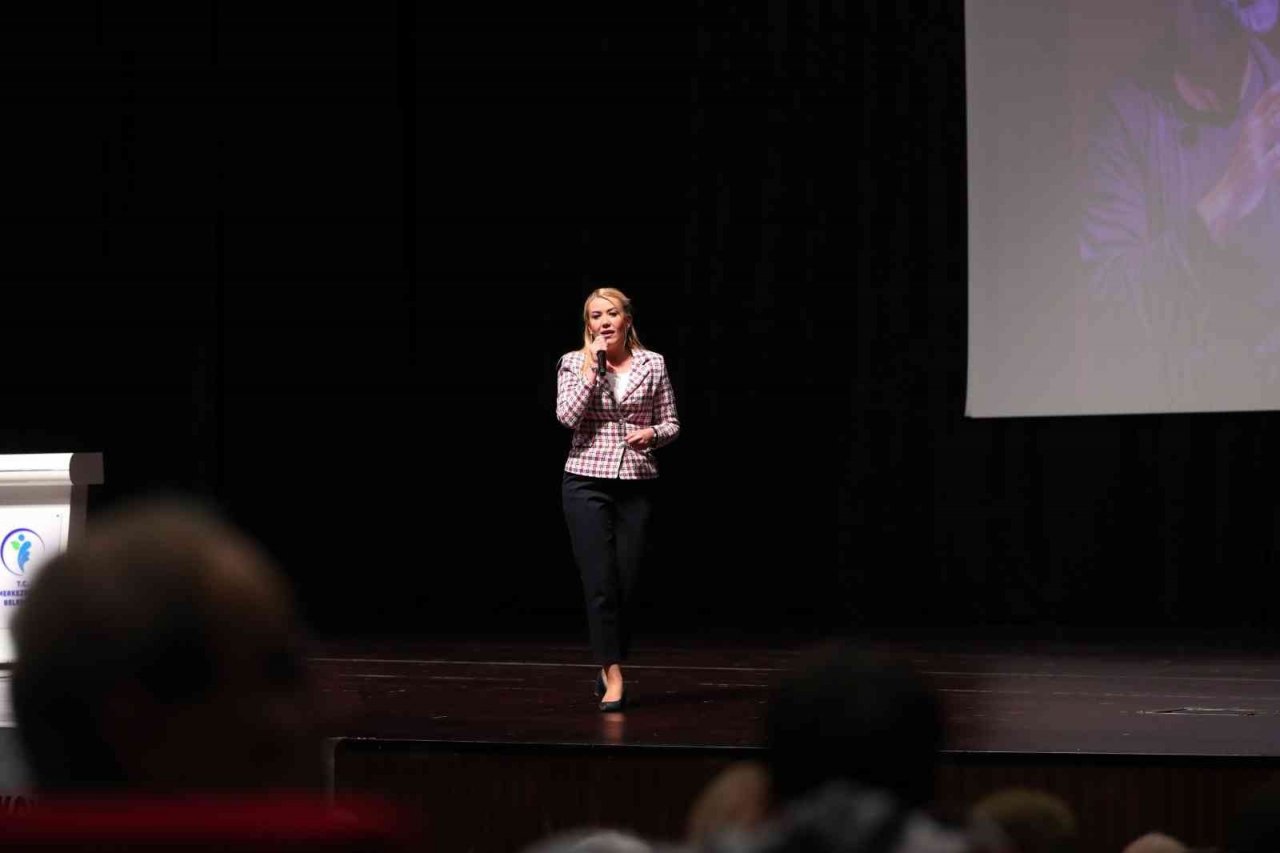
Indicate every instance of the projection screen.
{"type": "Point", "coordinates": [1124, 214]}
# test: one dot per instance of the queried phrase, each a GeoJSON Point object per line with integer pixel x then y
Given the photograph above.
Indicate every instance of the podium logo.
{"type": "Point", "coordinates": [19, 548]}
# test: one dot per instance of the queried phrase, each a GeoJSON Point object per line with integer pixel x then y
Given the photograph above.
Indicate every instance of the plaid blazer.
{"type": "Point", "coordinates": [600, 426]}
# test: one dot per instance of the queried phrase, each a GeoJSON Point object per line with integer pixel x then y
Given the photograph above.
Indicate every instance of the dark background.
{"type": "Point", "coordinates": [317, 261]}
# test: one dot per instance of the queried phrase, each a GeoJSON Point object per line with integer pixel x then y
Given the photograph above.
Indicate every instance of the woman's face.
{"type": "Point", "coordinates": [1212, 39]}
{"type": "Point", "coordinates": [605, 318]}
{"type": "Point", "coordinates": [1256, 16]}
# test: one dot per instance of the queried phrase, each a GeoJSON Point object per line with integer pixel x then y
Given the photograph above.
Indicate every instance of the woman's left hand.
{"type": "Point", "coordinates": [641, 439]}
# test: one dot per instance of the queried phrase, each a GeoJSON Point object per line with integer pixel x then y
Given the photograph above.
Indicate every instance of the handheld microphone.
{"type": "Point", "coordinates": [600, 368]}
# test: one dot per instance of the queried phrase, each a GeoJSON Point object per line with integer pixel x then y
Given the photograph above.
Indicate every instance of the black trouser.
{"type": "Point", "coordinates": [607, 522]}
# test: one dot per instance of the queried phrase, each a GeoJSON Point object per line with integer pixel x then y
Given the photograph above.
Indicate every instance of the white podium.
{"type": "Point", "coordinates": [42, 507]}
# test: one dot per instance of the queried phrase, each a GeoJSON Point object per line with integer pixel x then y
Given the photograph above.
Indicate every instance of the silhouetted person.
{"type": "Point", "coordinates": [852, 740]}
{"type": "Point", "coordinates": [854, 717]}
{"type": "Point", "coordinates": [1155, 842]}
{"type": "Point", "coordinates": [841, 819]}
{"type": "Point", "coordinates": [738, 798]}
{"type": "Point", "coordinates": [1030, 821]}
{"type": "Point", "coordinates": [592, 841]}
{"type": "Point", "coordinates": [162, 653]}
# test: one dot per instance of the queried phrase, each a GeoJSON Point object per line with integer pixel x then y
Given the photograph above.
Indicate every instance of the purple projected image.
{"type": "Point", "coordinates": [1180, 232]}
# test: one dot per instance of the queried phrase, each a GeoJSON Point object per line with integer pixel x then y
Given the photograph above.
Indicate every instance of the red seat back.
{"type": "Point", "coordinates": [250, 824]}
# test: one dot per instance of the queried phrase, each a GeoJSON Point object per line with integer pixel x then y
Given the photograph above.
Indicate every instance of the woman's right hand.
{"type": "Point", "coordinates": [1254, 164]}
{"type": "Point", "coordinates": [598, 344]}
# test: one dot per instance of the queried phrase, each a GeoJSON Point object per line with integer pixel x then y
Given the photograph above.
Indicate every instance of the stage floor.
{"type": "Point", "coordinates": [1001, 700]}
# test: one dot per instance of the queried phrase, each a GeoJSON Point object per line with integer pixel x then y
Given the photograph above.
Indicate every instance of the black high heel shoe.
{"type": "Point", "coordinates": [600, 688]}
{"type": "Point", "coordinates": [616, 705]}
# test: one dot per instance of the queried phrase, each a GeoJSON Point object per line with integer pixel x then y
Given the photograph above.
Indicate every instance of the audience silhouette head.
{"type": "Point", "coordinates": [162, 652]}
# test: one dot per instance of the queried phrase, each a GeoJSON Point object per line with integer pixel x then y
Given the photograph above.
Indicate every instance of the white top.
{"type": "Point", "coordinates": [618, 383]}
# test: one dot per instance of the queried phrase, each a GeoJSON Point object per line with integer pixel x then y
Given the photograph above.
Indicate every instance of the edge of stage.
{"type": "Point", "coordinates": [1136, 737]}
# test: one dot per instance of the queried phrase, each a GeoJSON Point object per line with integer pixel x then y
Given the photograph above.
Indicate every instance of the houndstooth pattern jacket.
{"type": "Point", "coordinates": [600, 425]}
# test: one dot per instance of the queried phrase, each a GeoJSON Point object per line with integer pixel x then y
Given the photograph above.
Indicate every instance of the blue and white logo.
{"type": "Point", "coordinates": [19, 548]}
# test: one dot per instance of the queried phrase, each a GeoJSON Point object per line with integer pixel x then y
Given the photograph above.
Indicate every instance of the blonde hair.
{"type": "Point", "coordinates": [623, 304]}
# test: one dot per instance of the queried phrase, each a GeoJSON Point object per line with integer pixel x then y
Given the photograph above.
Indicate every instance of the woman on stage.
{"type": "Point", "coordinates": [616, 397]}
